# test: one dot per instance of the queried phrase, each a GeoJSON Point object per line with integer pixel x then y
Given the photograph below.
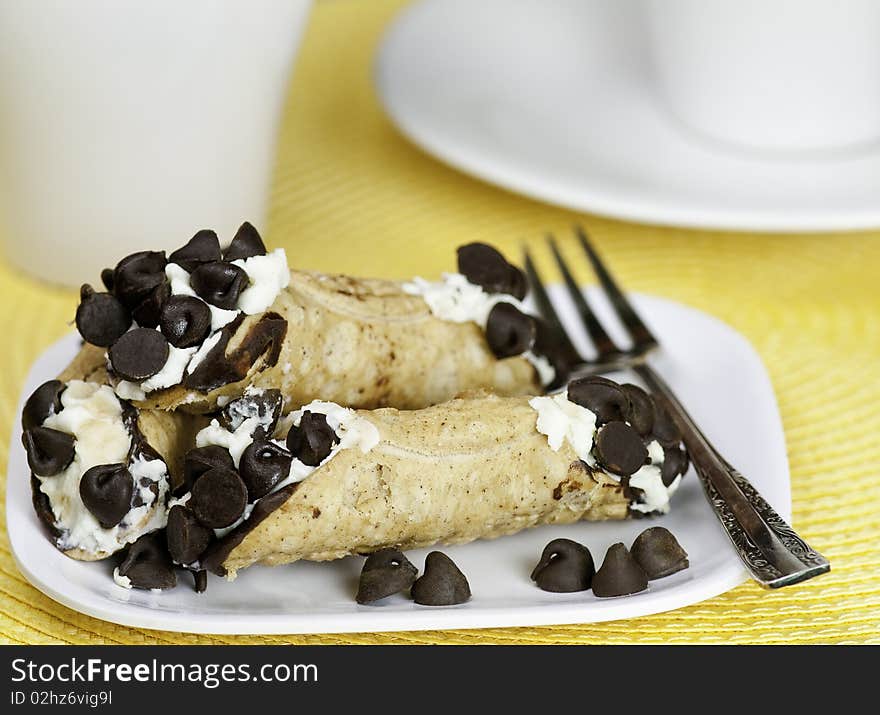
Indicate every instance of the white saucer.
{"type": "Point", "coordinates": [713, 368]}
{"type": "Point", "coordinates": [553, 99]}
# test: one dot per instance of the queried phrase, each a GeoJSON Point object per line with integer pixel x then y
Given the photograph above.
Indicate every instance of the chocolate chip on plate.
{"type": "Point", "coordinates": [199, 460]}
{"type": "Point", "coordinates": [219, 283]}
{"type": "Point", "coordinates": [565, 567]}
{"type": "Point", "coordinates": [187, 537]}
{"type": "Point", "coordinates": [185, 321]}
{"type": "Point", "coordinates": [665, 430]}
{"type": "Point", "coordinates": [675, 462]}
{"type": "Point", "coordinates": [138, 274]}
{"type": "Point", "coordinates": [265, 406]}
{"type": "Point", "coordinates": [385, 573]}
{"type": "Point", "coordinates": [200, 580]}
{"type": "Point", "coordinates": [262, 465]}
{"type": "Point", "coordinates": [658, 552]}
{"type": "Point", "coordinates": [245, 244]}
{"type": "Point", "coordinates": [100, 318]}
{"type": "Point", "coordinates": [442, 583]}
{"type": "Point", "coordinates": [49, 451]}
{"type": "Point", "coordinates": [509, 331]}
{"type": "Point", "coordinates": [139, 354]}
{"type": "Point", "coordinates": [620, 449]}
{"type": "Point", "coordinates": [44, 401]}
{"type": "Point", "coordinates": [484, 266]}
{"type": "Point", "coordinates": [218, 498]}
{"type": "Point", "coordinates": [106, 491]}
{"type": "Point", "coordinates": [641, 409]}
{"type": "Point", "coordinates": [619, 575]}
{"type": "Point", "coordinates": [147, 564]}
{"type": "Point", "coordinates": [312, 440]}
{"type": "Point", "coordinates": [204, 247]}
{"type": "Point", "coordinates": [107, 278]}
{"type": "Point", "coordinates": [601, 396]}
{"type": "Point", "coordinates": [147, 312]}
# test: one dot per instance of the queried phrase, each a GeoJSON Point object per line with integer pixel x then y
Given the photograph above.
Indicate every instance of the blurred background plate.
{"type": "Point", "coordinates": [554, 99]}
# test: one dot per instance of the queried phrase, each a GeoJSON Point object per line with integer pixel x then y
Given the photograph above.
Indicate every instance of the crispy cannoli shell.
{"type": "Point", "coordinates": [459, 471]}
{"type": "Point", "coordinates": [358, 342]}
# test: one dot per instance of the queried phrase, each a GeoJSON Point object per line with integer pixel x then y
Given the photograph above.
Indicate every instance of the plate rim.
{"type": "Point", "coordinates": [728, 575]}
{"type": "Point", "coordinates": [595, 200]}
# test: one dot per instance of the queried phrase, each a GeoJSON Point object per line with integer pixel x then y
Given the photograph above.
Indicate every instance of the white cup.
{"type": "Point", "coordinates": [784, 75]}
{"type": "Point", "coordinates": [127, 125]}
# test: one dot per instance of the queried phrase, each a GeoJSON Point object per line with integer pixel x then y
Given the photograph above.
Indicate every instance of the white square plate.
{"type": "Point", "coordinates": [717, 374]}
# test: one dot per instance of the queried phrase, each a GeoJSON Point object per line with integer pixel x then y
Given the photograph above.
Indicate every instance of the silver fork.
{"type": "Point", "coordinates": [770, 549]}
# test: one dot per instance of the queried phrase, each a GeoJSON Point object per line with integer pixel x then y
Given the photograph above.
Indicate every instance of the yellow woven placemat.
{"type": "Point", "coordinates": [352, 196]}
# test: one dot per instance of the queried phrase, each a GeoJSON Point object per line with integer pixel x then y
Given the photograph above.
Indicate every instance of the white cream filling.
{"type": "Point", "coordinates": [202, 352]}
{"type": "Point", "coordinates": [353, 431]}
{"type": "Point", "coordinates": [561, 420]}
{"type": "Point", "coordinates": [268, 275]}
{"type": "Point", "coordinates": [457, 300]}
{"type": "Point", "coordinates": [93, 415]}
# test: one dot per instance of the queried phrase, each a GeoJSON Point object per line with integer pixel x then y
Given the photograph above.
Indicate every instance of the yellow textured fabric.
{"type": "Point", "coordinates": [352, 196]}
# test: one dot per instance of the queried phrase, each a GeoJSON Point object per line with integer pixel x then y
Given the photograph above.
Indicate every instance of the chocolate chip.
{"type": "Point", "coordinates": [185, 321]}
{"type": "Point", "coordinates": [187, 538]}
{"type": "Point", "coordinates": [312, 441]}
{"type": "Point", "coordinates": [641, 409]}
{"type": "Point", "coordinates": [265, 406]}
{"type": "Point", "coordinates": [246, 244]}
{"type": "Point", "coordinates": [658, 552]}
{"type": "Point", "coordinates": [675, 462]}
{"type": "Point", "coordinates": [619, 575]}
{"type": "Point", "coordinates": [204, 247]}
{"type": "Point", "coordinates": [548, 345]}
{"type": "Point", "coordinates": [199, 460]}
{"type": "Point", "coordinates": [100, 317]}
{"type": "Point", "coordinates": [665, 430]}
{"type": "Point", "coordinates": [219, 283]}
{"type": "Point", "coordinates": [620, 449]}
{"type": "Point", "coordinates": [385, 573]}
{"type": "Point", "coordinates": [262, 465]}
{"type": "Point", "coordinates": [139, 354]}
{"type": "Point", "coordinates": [48, 450]}
{"type": "Point", "coordinates": [565, 566]}
{"type": "Point", "coordinates": [107, 278]}
{"type": "Point", "coordinates": [601, 396]}
{"type": "Point", "coordinates": [200, 581]}
{"type": "Point", "coordinates": [484, 266]}
{"type": "Point", "coordinates": [106, 491]}
{"type": "Point", "coordinates": [147, 312]}
{"type": "Point", "coordinates": [509, 331]}
{"type": "Point", "coordinates": [44, 401]}
{"type": "Point", "coordinates": [138, 274]}
{"type": "Point", "coordinates": [442, 583]}
{"type": "Point", "coordinates": [218, 498]}
{"type": "Point", "coordinates": [147, 564]}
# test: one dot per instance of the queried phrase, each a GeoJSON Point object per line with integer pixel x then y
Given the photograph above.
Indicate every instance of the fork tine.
{"type": "Point", "coordinates": [604, 345]}
{"type": "Point", "coordinates": [545, 307]}
{"type": "Point", "coordinates": [642, 338]}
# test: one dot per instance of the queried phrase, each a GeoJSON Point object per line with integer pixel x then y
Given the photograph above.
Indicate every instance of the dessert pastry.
{"type": "Point", "coordinates": [194, 329]}
{"type": "Point", "coordinates": [327, 481]}
{"type": "Point", "coordinates": [101, 471]}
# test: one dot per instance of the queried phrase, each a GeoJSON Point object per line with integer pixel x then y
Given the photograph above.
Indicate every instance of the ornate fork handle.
{"type": "Point", "coordinates": [771, 550]}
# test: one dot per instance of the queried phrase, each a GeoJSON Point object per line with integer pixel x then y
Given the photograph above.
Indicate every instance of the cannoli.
{"type": "Point", "coordinates": [101, 471]}
{"type": "Point", "coordinates": [326, 481]}
{"type": "Point", "coordinates": [194, 330]}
